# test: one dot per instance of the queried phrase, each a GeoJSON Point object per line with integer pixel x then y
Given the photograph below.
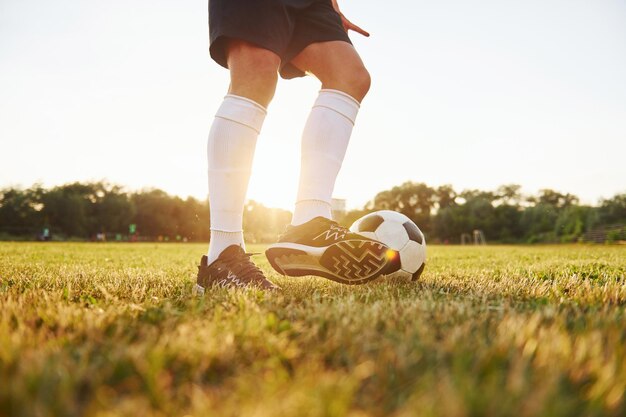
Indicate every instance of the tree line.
{"type": "Point", "coordinates": [87, 210]}
{"type": "Point", "coordinates": [504, 215]}
{"type": "Point", "coordinates": [90, 210]}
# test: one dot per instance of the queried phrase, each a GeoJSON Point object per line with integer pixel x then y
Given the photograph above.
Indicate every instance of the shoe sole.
{"type": "Point", "coordinates": [351, 262]}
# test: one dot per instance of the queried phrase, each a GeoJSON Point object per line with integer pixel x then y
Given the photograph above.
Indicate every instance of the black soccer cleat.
{"type": "Point", "coordinates": [232, 269]}
{"type": "Point", "coordinates": [324, 248]}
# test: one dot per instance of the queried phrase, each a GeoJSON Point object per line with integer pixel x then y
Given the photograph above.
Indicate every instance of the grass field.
{"type": "Point", "coordinates": [111, 329]}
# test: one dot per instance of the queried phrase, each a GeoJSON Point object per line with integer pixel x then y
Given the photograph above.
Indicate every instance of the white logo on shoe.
{"type": "Point", "coordinates": [334, 233]}
{"type": "Point", "coordinates": [231, 280]}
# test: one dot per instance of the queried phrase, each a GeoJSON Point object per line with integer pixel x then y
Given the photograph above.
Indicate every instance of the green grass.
{"type": "Point", "coordinates": [111, 329]}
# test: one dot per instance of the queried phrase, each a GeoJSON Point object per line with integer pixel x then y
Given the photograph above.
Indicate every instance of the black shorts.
{"type": "Point", "coordinates": [284, 27]}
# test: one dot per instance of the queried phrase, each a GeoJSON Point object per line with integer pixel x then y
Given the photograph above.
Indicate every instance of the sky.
{"type": "Point", "coordinates": [475, 94]}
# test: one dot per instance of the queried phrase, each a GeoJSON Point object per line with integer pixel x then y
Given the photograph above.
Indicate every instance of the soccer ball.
{"type": "Point", "coordinates": [399, 233]}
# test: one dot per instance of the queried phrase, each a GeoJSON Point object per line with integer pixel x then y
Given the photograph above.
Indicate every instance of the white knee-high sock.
{"type": "Point", "coordinates": [324, 143]}
{"type": "Point", "coordinates": [230, 150]}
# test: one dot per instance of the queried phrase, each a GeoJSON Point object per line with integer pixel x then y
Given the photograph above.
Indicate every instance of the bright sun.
{"type": "Point", "coordinates": [273, 183]}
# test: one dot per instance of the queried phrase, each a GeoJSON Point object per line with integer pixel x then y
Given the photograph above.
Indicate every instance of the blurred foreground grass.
{"type": "Point", "coordinates": [111, 329]}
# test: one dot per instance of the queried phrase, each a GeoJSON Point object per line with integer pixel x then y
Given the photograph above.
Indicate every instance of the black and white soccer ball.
{"type": "Point", "coordinates": [399, 233]}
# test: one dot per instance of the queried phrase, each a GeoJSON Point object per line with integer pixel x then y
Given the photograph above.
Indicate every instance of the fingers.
{"type": "Point", "coordinates": [348, 25]}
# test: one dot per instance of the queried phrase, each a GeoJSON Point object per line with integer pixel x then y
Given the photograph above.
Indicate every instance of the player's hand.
{"type": "Point", "coordinates": [347, 24]}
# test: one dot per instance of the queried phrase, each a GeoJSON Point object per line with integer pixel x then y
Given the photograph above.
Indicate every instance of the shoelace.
{"type": "Point", "coordinates": [244, 267]}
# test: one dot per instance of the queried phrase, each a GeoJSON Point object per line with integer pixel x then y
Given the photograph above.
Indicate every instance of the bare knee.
{"type": "Point", "coordinates": [360, 83]}
{"type": "Point", "coordinates": [253, 71]}
{"type": "Point", "coordinates": [354, 80]}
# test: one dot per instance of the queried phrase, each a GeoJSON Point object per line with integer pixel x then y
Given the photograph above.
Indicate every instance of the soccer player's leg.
{"type": "Point", "coordinates": [230, 151]}
{"type": "Point", "coordinates": [314, 244]}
